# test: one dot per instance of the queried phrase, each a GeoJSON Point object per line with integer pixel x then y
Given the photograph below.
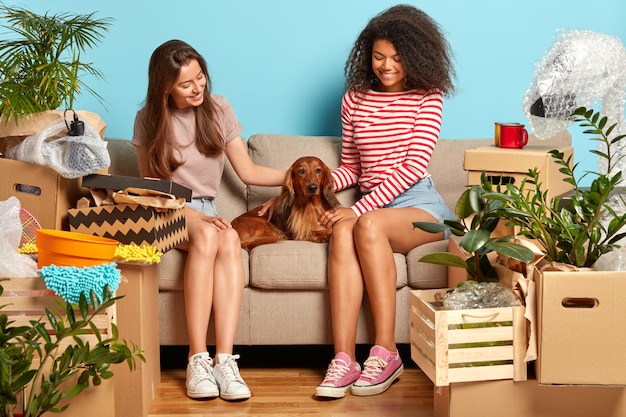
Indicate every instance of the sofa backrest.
{"type": "Point", "coordinates": [280, 151]}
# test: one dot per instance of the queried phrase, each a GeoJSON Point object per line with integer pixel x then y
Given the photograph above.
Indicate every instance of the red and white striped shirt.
{"type": "Point", "coordinates": [388, 139]}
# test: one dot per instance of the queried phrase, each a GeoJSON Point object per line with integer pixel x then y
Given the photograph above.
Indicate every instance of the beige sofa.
{"type": "Point", "coordinates": [286, 299]}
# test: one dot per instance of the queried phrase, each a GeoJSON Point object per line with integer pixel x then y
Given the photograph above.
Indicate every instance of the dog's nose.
{"type": "Point", "coordinates": [312, 188]}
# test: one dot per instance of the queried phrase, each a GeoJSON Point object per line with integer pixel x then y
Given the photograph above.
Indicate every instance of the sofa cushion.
{"type": "Point", "coordinates": [172, 267]}
{"type": "Point", "coordinates": [299, 265]}
{"type": "Point", "coordinates": [423, 275]}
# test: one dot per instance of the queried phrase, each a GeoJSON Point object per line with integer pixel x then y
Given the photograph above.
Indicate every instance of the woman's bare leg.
{"type": "Point", "coordinates": [346, 287]}
{"type": "Point", "coordinates": [378, 234]}
{"type": "Point", "coordinates": [202, 250]}
{"type": "Point", "coordinates": [228, 290]}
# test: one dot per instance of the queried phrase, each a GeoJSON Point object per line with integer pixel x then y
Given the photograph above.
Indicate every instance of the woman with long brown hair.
{"type": "Point", "coordinates": [182, 134]}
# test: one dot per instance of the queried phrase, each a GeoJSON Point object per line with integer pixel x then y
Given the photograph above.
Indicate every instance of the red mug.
{"type": "Point", "coordinates": [511, 135]}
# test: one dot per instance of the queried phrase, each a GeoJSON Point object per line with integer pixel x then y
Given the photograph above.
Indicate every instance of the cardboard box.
{"type": "Point", "coordinates": [527, 399]}
{"type": "Point", "coordinates": [466, 345]}
{"type": "Point", "coordinates": [132, 223]}
{"type": "Point", "coordinates": [581, 327]}
{"type": "Point", "coordinates": [120, 182]}
{"type": "Point", "coordinates": [507, 166]}
{"type": "Point", "coordinates": [25, 299]}
{"type": "Point", "coordinates": [41, 191]}
{"type": "Point", "coordinates": [138, 321]}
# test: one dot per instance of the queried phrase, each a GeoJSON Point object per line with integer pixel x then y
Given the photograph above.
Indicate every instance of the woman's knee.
{"type": "Point", "coordinates": [367, 228]}
{"type": "Point", "coordinates": [229, 240]}
{"type": "Point", "coordinates": [203, 236]}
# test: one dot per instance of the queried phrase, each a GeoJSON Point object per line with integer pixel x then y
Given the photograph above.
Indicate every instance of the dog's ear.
{"type": "Point", "coordinates": [285, 199]}
{"type": "Point", "coordinates": [328, 189]}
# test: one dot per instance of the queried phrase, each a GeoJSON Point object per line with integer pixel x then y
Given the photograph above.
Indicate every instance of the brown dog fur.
{"type": "Point", "coordinates": [306, 193]}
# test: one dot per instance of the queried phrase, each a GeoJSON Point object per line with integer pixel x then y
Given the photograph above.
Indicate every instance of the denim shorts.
{"type": "Point", "coordinates": [204, 205]}
{"type": "Point", "coordinates": [423, 195]}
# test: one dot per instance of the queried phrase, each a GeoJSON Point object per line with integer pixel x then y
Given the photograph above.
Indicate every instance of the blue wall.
{"type": "Point", "coordinates": [280, 62]}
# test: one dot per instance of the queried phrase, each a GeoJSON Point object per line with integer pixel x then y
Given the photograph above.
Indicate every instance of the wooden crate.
{"type": "Point", "coordinates": [25, 299]}
{"type": "Point", "coordinates": [467, 345]}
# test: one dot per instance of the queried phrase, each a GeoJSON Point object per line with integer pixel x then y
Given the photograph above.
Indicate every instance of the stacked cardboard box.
{"type": "Point", "coordinates": [133, 223]}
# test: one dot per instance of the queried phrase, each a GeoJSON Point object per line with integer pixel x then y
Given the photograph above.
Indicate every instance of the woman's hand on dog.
{"type": "Point", "coordinates": [330, 217]}
{"type": "Point", "coordinates": [267, 209]}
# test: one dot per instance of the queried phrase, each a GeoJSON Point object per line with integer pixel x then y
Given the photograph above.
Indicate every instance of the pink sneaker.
{"type": "Point", "coordinates": [340, 376]}
{"type": "Point", "coordinates": [380, 370]}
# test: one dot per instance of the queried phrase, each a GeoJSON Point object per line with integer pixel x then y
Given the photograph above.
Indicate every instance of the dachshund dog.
{"type": "Point", "coordinates": [306, 193]}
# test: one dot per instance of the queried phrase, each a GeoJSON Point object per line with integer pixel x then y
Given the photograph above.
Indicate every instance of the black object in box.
{"type": "Point", "coordinates": [121, 182]}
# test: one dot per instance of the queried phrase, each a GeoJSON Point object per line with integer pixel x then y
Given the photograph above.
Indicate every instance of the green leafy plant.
{"type": "Point", "coordinates": [33, 364]}
{"type": "Point", "coordinates": [479, 216]}
{"type": "Point", "coordinates": [41, 69]}
{"type": "Point", "coordinates": [575, 230]}
{"type": "Point", "coordinates": [581, 228]}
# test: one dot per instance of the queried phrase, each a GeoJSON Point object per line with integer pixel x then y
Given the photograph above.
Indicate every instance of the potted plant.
{"type": "Point", "coordinates": [34, 365]}
{"type": "Point", "coordinates": [579, 232]}
{"type": "Point", "coordinates": [479, 216]}
{"type": "Point", "coordinates": [41, 69]}
{"type": "Point", "coordinates": [572, 233]}
{"type": "Point", "coordinates": [579, 309]}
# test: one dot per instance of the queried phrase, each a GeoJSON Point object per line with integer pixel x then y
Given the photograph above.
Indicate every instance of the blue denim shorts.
{"type": "Point", "coordinates": [204, 205]}
{"type": "Point", "coordinates": [423, 195]}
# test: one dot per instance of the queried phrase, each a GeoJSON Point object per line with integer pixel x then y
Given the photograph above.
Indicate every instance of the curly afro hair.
{"type": "Point", "coordinates": [423, 49]}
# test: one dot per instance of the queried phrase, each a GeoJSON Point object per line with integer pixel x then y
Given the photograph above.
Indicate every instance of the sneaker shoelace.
{"type": "Point", "coordinates": [336, 371]}
{"type": "Point", "coordinates": [373, 367]}
{"type": "Point", "coordinates": [201, 369]}
{"type": "Point", "coordinates": [230, 371]}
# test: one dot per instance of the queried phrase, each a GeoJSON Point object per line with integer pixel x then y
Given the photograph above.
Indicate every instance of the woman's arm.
{"type": "Point", "coordinates": [248, 171]}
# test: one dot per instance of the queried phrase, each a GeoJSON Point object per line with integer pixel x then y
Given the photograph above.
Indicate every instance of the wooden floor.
{"type": "Point", "coordinates": [285, 388]}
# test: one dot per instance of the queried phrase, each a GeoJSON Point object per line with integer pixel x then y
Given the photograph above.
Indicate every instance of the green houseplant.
{"type": "Point", "coordinates": [575, 233]}
{"type": "Point", "coordinates": [479, 216]}
{"type": "Point", "coordinates": [32, 363]}
{"type": "Point", "coordinates": [41, 68]}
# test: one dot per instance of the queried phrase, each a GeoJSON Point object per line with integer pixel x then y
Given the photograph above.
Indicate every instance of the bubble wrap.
{"type": "Point", "coordinates": [472, 294]}
{"type": "Point", "coordinates": [12, 263]}
{"type": "Point", "coordinates": [581, 69]}
{"type": "Point", "coordinates": [70, 156]}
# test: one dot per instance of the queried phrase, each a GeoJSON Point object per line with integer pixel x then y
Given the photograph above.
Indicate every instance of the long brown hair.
{"type": "Point", "coordinates": [425, 52]}
{"type": "Point", "coordinates": [163, 70]}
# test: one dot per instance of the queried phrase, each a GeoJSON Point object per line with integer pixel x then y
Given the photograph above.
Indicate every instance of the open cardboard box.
{"type": "Point", "coordinates": [41, 190]}
{"type": "Point", "coordinates": [132, 223]}
{"type": "Point", "coordinates": [581, 327]}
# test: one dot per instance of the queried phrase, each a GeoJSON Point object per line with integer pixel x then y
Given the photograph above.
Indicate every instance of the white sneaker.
{"type": "Point", "coordinates": [231, 384]}
{"type": "Point", "coordinates": [200, 380]}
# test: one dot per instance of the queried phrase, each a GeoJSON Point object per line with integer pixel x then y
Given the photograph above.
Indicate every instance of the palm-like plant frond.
{"type": "Point", "coordinates": [41, 68]}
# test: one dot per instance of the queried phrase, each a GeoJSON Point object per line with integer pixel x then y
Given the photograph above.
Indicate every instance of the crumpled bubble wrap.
{"type": "Point", "coordinates": [581, 68]}
{"type": "Point", "coordinates": [12, 263]}
{"type": "Point", "coordinates": [472, 294]}
{"type": "Point", "coordinates": [70, 156]}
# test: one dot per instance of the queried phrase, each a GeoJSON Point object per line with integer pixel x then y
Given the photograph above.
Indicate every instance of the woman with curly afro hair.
{"type": "Point", "coordinates": [396, 77]}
